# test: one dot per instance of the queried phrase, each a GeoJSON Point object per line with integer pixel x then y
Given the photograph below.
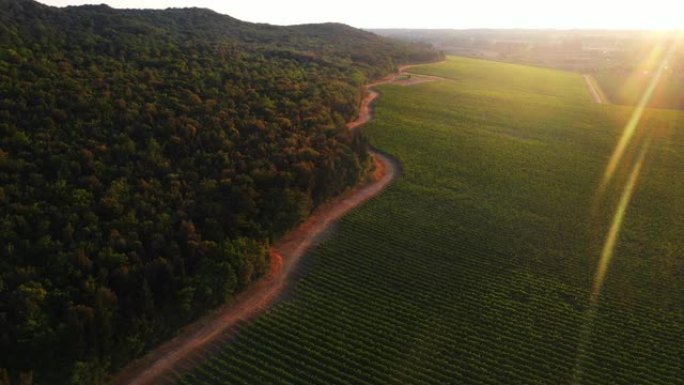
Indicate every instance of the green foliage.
{"type": "Point", "coordinates": [148, 159]}
{"type": "Point", "coordinates": [475, 266]}
{"type": "Point", "coordinates": [87, 373]}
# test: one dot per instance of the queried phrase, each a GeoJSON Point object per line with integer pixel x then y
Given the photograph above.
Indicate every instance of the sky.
{"type": "Point", "coordinates": [568, 14]}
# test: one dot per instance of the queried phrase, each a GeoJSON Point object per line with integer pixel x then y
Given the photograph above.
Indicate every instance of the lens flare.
{"type": "Point", "coordinates": [616, 224]}
{"type": "Point", "coordinates": [607, 254]}
{"type": "Point", "coordinates": [663, 58]}
{"type": "Point", "coordinates": [660, 57]}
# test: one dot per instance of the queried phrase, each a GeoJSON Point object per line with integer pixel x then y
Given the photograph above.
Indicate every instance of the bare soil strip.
{"type": "Point", "coordinates": [160, 364]}
{"type": "Point", "coordinates": [595, 90]}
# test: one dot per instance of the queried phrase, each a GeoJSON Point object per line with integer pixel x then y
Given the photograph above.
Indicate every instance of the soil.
{"type": "Point", "coordinates": [413, 80]}
{"type": "Point", "coordinates": [176, 354]}
{"type": "Point", "coordinates": [596, 93]}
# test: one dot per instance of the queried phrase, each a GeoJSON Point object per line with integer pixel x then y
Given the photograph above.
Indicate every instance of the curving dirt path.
{"type": "Point", "coordinates": [595, 90]}
{"type": "Point", "coordinates": [165, 359]}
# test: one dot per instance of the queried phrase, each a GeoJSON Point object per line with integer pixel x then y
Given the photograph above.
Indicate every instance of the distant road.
{"type": "Point", "coordinates": [595, 90]}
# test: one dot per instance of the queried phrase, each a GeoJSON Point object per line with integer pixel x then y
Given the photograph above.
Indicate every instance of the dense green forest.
{"type": "Point", "coordinates": [147, 161]}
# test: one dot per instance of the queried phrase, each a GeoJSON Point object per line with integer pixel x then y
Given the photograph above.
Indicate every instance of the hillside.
{"type": "Point", "coordinates": [147, 161]}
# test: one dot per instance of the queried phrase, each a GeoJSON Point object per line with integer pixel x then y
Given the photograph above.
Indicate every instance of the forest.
{"type": "Point", "coordinates": [147, 161]}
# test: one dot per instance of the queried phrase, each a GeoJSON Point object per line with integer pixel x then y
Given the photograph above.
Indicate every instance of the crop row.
{"type": "Point", "coordinates": [475, 266]}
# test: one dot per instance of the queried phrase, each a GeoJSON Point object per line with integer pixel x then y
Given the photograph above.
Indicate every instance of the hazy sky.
{"type": "Point", "coordinates": [608, 14]}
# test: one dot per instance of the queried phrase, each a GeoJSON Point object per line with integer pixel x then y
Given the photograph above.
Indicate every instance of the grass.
{"type": "Point", "coordinates": [475, 266]}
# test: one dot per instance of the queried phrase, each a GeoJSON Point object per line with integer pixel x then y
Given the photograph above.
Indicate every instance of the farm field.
{"type": "Point", "coordinates": [626, 88]}
{"type": "Point", "coordinates": [476, 265]}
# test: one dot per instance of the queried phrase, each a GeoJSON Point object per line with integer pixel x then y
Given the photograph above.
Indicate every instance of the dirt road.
{"type": "Point", "coordinates": [595, 90]}
{"type": "Point", "coordinates": [163, 362]}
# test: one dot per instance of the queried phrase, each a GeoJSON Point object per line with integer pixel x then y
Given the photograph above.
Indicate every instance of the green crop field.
{"type": "Point", "coordinates": [476, 265]}
{"type": "Point", "coordinates": [627, 88]}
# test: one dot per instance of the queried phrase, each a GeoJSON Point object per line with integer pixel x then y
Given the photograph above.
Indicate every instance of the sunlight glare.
{"type": "Point", "coordinates": [657, 63]}
{"type": "Point", "coordinates": [607, 254]}
{"type": "Point", "coordinates": [616, 224]}
{"type": "Point", "coordinates": [662, 57]}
